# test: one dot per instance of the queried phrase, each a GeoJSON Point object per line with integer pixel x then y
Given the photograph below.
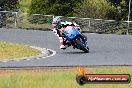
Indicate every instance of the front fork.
{"type": "Point", "coordinates": [85, 39]}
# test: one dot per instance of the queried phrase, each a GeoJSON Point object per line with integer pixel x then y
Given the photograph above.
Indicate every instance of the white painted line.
{"type": "Point", "coordinates": [44, 54]}
{"type": "Point", "coordinates": [54, 52]}
{"type": "Point", "coordinates": [17, 60]}
{"type": "Point", "coordinates": [4, 61]}
{"type": "Point", "coordinates": [28, 59]}
{"type": "Point", "coordinates": [38, 58]}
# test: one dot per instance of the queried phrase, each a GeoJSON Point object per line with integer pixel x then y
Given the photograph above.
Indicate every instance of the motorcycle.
{"type": "Point", "coordinates": [76, 38]}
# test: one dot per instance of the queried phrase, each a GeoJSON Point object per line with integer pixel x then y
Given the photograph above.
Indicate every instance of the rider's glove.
{"type": "Point", "coordinates": [54, 31]}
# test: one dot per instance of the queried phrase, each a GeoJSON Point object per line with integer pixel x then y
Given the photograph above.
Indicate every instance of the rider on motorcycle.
{"type": "Point", "coordinates": [58, 28]}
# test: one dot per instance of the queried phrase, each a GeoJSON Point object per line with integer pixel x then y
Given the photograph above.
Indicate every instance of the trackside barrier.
{"type": "Point", "coordinates": [43, 22]}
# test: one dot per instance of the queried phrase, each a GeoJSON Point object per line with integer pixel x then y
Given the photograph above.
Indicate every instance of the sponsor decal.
{"type": "Point", "coordinates": [83, 78]}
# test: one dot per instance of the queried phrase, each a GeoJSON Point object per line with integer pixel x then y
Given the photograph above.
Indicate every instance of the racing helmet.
{"type": "Point", "coordinates": [56, 20]}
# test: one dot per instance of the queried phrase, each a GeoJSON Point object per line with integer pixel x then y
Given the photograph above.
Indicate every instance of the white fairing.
{"type": "Point", "coordinates": [68, 22]}
{"type": "Point", "coordinates": [68, 30]}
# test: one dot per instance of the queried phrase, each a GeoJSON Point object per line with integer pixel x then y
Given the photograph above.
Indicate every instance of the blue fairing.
{"type": "Point", "coordinates": [71, 34]}
{"type": "Point", "coordinates": [74, 37]}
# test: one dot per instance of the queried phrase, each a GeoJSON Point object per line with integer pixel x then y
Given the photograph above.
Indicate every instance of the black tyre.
{"type": "Point", "coordinates": [82, 47]}
{"type": "Point", "coordinates": [81, 80]}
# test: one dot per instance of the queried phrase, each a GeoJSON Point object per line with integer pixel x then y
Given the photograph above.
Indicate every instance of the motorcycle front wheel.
{"type": "Point", "coordinates": [82, 47]}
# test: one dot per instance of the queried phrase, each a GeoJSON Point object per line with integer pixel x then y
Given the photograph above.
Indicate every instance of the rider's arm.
{"type": "Point", "coordinates": [56, 32]}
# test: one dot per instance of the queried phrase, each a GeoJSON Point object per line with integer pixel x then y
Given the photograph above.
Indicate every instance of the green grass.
{"type": "Point", "coordinates": [24, 5]}
{"type": "Point", "coordinates": [57, 79]}
{"type": "Point", "coordinates": [15, 51]}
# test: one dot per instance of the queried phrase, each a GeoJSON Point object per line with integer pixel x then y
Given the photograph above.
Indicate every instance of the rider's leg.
{"type": "Point", "coordinates": [61, 39]}
{"type": "Point", "coordinates": [62, 43]}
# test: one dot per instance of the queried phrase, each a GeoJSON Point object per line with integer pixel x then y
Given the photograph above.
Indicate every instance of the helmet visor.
{"type": "Point", "coordinates": [54, 24]}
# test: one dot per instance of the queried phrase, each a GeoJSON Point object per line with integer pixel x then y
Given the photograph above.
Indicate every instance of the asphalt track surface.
{"type": "Point", "coordinates": [105, 49]}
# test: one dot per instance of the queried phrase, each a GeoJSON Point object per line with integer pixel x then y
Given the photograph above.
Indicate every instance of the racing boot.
{"type": "Point", "coordinates": [62, 46]}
